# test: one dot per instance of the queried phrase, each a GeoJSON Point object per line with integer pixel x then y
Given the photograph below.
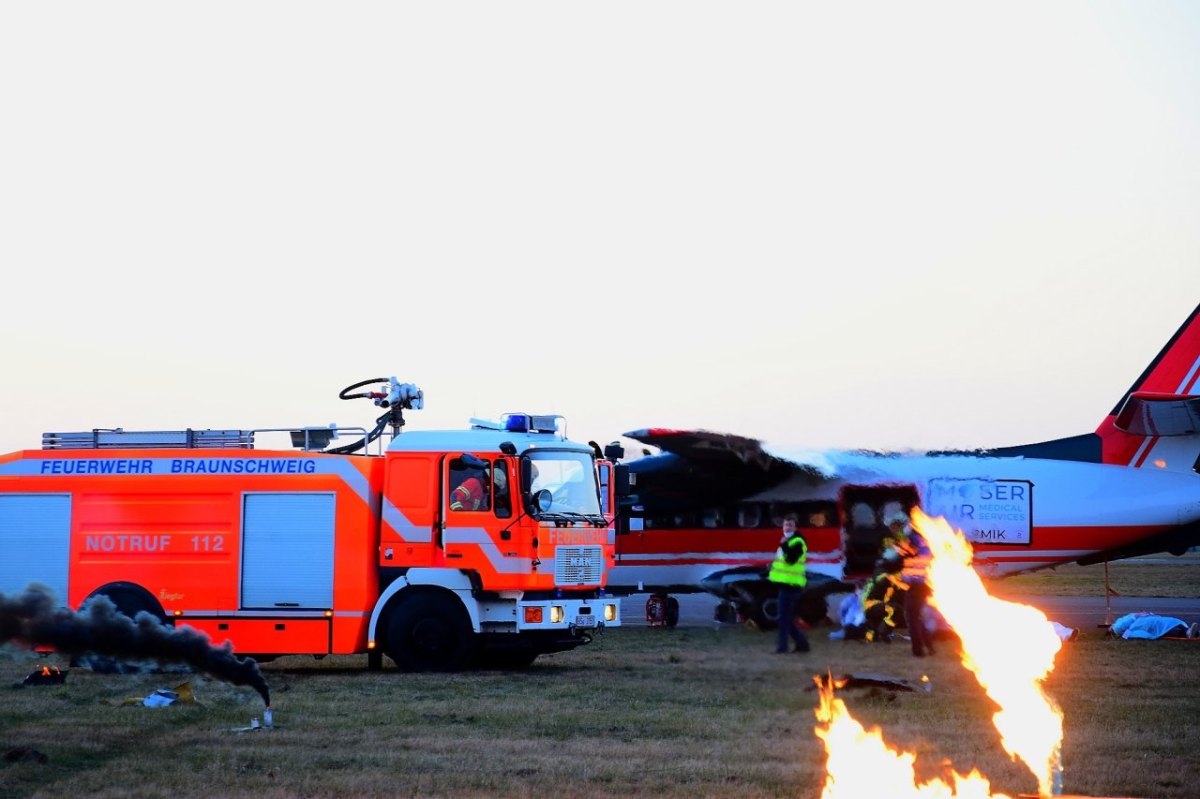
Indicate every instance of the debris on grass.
{"type": "Point", "coordinates": [23, 754]}
{"type": "Point", "coordinates": [866, 679]}
{"type": "Point", "coordinates": [46, 675]}
{"type": "Point", "coordinates": [163, 697]}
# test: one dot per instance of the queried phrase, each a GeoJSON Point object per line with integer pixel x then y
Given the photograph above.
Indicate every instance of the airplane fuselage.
{"type": "Point", "coordinates": [1019, 513]}
{"type": "Point", "coordinates": [1023, 513]}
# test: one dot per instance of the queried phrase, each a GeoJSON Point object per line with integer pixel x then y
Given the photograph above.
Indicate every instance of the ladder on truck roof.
{"type": "Point", "coordinates": [309, 439]}
{"type": "Point", "coordinates": [150, 439]}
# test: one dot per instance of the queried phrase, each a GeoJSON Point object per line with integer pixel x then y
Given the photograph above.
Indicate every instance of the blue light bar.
{"type": "Point", "coordinates": [516, 423]}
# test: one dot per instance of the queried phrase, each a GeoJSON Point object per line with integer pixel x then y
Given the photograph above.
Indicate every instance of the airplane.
{"type": "Point", "coordinates": [705, 513]}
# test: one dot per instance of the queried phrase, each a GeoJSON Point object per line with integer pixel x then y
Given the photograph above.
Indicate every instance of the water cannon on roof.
{"type": "Point", "coordinates": [404, 395]}
{"type": "Point", "coordinates": [397, 397]}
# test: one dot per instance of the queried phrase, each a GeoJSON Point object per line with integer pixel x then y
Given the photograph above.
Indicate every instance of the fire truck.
{"type": "Point", "coordinates": [441, 549]}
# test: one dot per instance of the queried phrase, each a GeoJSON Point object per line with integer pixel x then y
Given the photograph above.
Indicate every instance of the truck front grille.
{"type": "Point", "coordinates": [578, 565]}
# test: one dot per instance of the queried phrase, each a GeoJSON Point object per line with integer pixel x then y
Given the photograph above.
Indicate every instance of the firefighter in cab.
{"type": "Point", "coordinates": [471, 493]}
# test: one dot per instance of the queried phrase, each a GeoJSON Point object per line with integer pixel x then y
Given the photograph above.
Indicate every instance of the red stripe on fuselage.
{"type": "Point", "coordinates": [691, 547]}
{"type": "Point", "coordinates": [639, 542]}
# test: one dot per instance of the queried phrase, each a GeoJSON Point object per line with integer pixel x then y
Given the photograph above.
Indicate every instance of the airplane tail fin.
{"type": "Point", "coordinates": [1156, 424]}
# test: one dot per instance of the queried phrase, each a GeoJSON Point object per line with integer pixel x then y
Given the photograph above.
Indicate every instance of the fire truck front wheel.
{"type": "Point", "coordinates": [430, 632]}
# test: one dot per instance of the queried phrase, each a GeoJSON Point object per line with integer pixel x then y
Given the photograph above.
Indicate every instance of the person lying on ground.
{"type": "Point", "coordinates": [1151, 626]}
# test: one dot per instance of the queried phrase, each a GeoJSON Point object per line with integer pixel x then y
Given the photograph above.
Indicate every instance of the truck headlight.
{"type": "Point", "coordinates": [610, 612]}
{"type": "Point", "coordinates": [556, 614]}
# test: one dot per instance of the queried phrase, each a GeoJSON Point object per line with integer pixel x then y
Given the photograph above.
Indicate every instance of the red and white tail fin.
{"type": "Point", "coordinates": [1156, 424]}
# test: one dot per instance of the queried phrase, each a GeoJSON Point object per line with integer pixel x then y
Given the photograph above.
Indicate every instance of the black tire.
{"type": "Point", "coordinates": [726, 612]}
{"type": "Point", "coordinates": [374, 660]}
{"type": "Point", "coordinates": [672, 612]}
{"type": "Point", "coordinates": [130, 600]}
{"type": "Point", "coordinates": [757, 602]}
{"type": "Point", "coordinates": [766, 612]}
{"type": "Point", "coordinates": [430, 632]}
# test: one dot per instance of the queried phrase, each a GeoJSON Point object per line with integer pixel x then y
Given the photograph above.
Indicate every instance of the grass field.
{"type": "Point", "coordinates": [643, 712]}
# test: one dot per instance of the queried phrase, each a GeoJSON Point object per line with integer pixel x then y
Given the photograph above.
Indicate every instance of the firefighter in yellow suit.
{"type": "Point", "coordinates": [879, 597]}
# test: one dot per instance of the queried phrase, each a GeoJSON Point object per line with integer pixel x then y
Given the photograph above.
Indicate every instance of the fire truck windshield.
{"type": "Point", "coordinates": [570, 477]}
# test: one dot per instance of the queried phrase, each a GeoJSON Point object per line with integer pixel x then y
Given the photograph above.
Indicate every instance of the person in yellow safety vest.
{"type": "Point", "coordinates": [912, 548]}
{"type": "Point", "coordinates": [879, 597]}
{"type": "Point", "coordinates": [788, 573]}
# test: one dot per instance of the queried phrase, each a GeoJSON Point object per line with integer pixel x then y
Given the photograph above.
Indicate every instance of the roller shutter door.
{"type": "Point", "coordinates": [287, 551]}
{"type": "Point", "coordinates": [35, 542]}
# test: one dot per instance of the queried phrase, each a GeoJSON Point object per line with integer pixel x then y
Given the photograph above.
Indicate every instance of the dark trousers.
{"type": "Point", "coordinates": [915, 599]}
{"type": "Point", "coordinates": [879, 621]}
{"type": "Point", "coordinates": [789, 603]}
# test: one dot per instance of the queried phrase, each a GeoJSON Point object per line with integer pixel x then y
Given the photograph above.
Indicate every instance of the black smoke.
{"type": "Point", "coordinates": [33, 619]}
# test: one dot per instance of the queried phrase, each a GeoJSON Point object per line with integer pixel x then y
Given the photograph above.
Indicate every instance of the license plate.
{"type": "Point", "coordinates": [585, 621]}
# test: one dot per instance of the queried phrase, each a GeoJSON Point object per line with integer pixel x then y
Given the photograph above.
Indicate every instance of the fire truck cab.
{"type": "Point", "coordinates": [489, 545]}
{"type": "Point", "coordinates": [503, 524]}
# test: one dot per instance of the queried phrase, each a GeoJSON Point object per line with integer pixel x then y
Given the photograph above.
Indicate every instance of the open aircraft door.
{"type": "Point", "coordinates": [865, 510]}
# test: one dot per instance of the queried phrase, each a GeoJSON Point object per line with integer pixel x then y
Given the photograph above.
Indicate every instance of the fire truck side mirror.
{"type": "Point", "coordinates": [542, 501]}
{"type": "Point", "coordinates": [614, 451]}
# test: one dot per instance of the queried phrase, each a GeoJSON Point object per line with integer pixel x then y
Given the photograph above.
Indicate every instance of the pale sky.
{"type": "Point", "coordinates": [874, 225]}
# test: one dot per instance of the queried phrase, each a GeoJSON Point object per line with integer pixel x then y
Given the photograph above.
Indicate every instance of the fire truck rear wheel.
{"type": "Point", "coordinates": [430, 632]}
{"type": "Point", "coordinates": [132, 600]}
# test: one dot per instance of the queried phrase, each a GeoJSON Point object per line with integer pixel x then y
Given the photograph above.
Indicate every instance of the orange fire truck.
{"type": "Point", "coordinates": [328, 550]}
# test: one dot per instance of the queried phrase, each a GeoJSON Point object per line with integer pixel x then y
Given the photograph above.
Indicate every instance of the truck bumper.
{"type": "Point", "coordinates": [568, 615]}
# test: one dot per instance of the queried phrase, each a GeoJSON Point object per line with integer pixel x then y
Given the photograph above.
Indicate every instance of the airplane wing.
{"type": "Point", "coordinates": [699, 466]}
{"type": "Point", "coordinates": [714, 449]}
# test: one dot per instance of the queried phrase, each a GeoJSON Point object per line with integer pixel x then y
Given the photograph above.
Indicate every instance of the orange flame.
{"type": "Point", "coordinates": [1009, 647]}
{"type": "Point", "coordinates": [861, 764]}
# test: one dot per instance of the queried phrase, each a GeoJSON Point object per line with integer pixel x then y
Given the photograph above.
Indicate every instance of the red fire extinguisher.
{"type": "Point", "coordinates": [662, 610]}
{"type": "Point", "coordinates": [656, 610]}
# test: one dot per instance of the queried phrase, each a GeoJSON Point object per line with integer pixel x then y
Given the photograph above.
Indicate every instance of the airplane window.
{"type": "Point", "coordinates": [711, 518]}
{"type": "Point", "coordinates": [749, 516]}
